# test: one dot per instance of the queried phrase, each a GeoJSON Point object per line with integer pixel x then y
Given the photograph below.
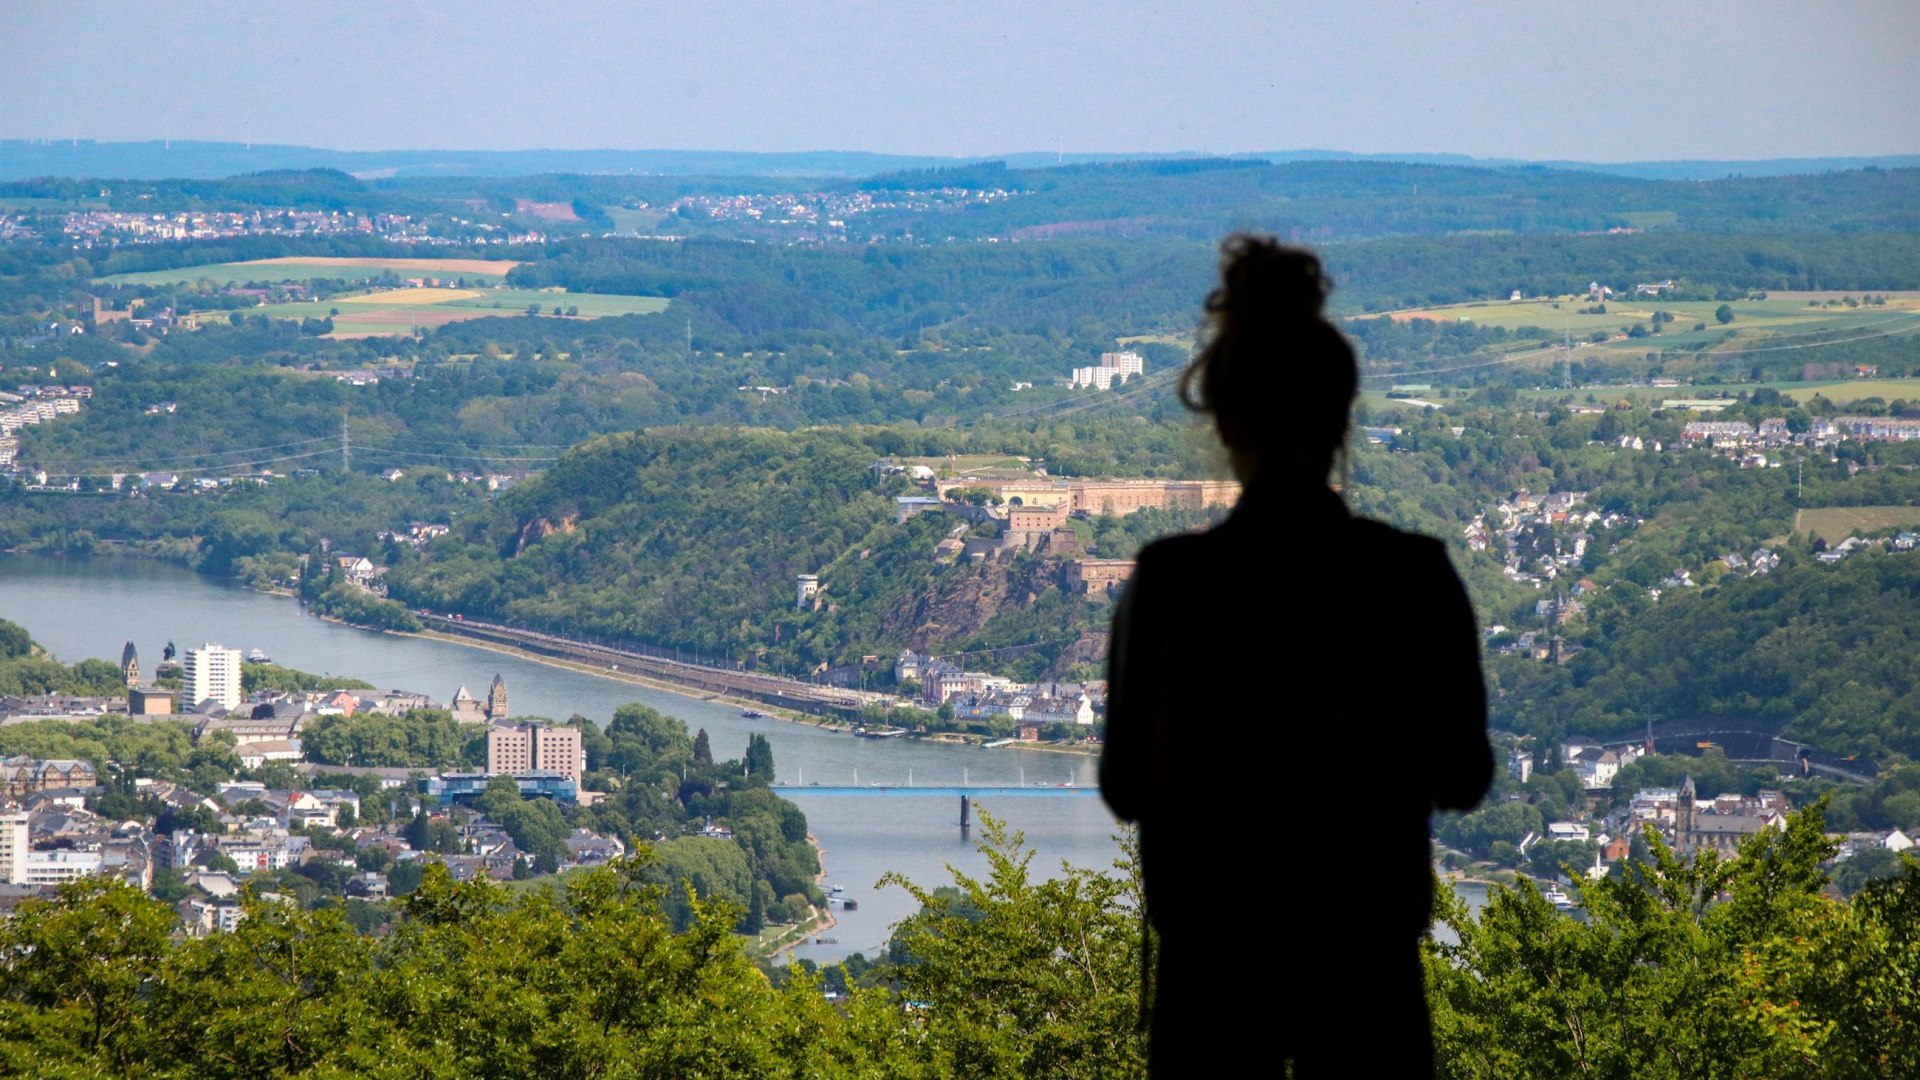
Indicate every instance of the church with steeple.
{"type": "Point", "coordinates": [130, 665]}
{"type": "Point", "coordinates": [469, 709]}
{"type": "Point", "coordinates": [1724, 823]}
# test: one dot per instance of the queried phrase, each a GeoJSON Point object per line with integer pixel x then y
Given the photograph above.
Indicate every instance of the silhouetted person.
{"type": "Point", "coordinates": [1293, 692]}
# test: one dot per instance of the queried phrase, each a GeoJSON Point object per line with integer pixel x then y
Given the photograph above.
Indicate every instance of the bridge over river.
{"type": "Point", "coordinates": [972, 791]}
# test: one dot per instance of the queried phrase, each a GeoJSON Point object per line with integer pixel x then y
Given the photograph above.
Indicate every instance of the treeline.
{"type": "Point", "coordinates": [1743, 967]}
{"type": "Point", "coordinates": [26, 669]}
{"type": "Point", "coordinates": [1333, 201]}
{"type": "Point", "coordinates": [1717, 967]}
{"type": "Point", "coordinates": [95, 982]}
{"type": "Point", "coordinates": [1325, 201]}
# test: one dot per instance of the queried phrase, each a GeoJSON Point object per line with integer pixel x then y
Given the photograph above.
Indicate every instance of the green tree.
{"type": "Point", "coordinates": [1709, 967]}
{"type": "Point", "coordinates": [759, 760]}
{"type": "Point", "coordinates": [14, 640]}
{"type": "Point", "coordinates": [1723, 314]}
{"type": "Point", "coordinates": [76, 969]}
{"type": "Point", "coordinates": [1022, 977]}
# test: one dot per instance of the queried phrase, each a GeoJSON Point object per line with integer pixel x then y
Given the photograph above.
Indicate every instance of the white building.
{"type": "Point", "coordinates": [212, 672]}
{"type": "Point", "coordinates": [13, 848]}
{"type": "Point", "coordinates": [1100, 378]}
{"type": "Point", "coordinates": [61, 866]}
{"type": "Point", "coordinates": [807, 592]}
{"type": "Point", "coordinates": [1127, 363]}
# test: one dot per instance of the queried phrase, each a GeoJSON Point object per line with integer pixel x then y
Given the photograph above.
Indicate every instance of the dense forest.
{"type": "Point", "coordinates": [621, 536]}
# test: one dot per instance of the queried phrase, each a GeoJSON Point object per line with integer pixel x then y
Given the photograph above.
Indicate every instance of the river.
{"type": "Point", "coordinates": [79, 608]}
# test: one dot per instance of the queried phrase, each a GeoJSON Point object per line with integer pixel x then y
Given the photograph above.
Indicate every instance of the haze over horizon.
{"type": "Point", "coordinates": [1640, 82]}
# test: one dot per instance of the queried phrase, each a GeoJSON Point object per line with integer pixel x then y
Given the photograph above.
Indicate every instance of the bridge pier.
{"type": "Point", "coordinates": [965, 809]}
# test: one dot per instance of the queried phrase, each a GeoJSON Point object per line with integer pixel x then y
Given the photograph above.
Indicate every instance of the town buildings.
{"type": "Point", "coordinates": [1113, 367]}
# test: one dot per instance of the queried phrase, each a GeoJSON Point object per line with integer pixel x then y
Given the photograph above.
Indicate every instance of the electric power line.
{"type": "Point", "coordinates": [186, 462]}
{"type": "Point", "coordinates": [434, 455]}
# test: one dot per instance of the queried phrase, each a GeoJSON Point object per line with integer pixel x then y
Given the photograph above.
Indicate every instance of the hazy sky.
{"type": "Point", "coordinates": [1623, 80]}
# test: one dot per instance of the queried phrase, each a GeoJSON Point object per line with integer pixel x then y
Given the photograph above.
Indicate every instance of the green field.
{"type": "Point", "coordinates": [399, 311]}
{"type": "Point", "coordinates": [1839, 391]}
{"type": "Point", "coordinates": [298, 269]}
{"type": "Point", "coordinates": [635, 221]}
{"type": "Point", "coordinates": [1772, 315]}
{"type": "Point", "coordinates": [1835, 523]}
{"type": "Point", "coordinates": [1780, 321]}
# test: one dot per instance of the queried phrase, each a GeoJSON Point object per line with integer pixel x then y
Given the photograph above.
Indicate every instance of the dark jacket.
{"type": "Point", "coordinates": [1292, 693]}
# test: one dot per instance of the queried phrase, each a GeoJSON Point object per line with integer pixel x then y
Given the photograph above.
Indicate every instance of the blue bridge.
{"type": "Point", "coordinates": [948, 791]}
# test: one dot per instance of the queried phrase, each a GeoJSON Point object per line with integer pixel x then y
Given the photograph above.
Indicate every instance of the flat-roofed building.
{"type": "Point", "coordinates": [212, 674]}
{"type": "Point", "coordinates": [523, 748]}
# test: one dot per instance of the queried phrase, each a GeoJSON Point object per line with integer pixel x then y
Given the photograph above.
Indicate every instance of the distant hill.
{"type": "Point", "coordinates": [26, 158]}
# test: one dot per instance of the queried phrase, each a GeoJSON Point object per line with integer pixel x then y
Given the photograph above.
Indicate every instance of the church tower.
{"type": "Point", "coordinates": [1683, 818]}
{"type": "Point", "coordinates": [130, 665]}
{"type": "Point", "coordinates": [497, 700]}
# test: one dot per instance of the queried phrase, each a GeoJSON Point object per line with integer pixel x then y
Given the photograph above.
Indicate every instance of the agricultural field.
{"type": "Point", "coordinates": [635, 221]}
{"type": "Point", "coordinates": [1798, 313]}
{"type": "Point", "coordinates": [1835, 523]}
{"type": "Point", "coordinates": [400, 311]}
{"type": "Point", "coordinates": [306, 268]}
{"type": "Point", "coordinates": [1841, 392]}
{"type": "Point", "coordinates": [1782, 321]}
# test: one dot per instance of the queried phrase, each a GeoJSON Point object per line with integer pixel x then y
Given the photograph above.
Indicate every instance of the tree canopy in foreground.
{"type": "Point", "coordinates": [1715, 968]}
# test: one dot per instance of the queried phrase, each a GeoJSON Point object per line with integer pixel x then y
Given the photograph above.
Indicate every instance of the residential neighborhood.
{"type": "Point", "coordinates": [61, 819]}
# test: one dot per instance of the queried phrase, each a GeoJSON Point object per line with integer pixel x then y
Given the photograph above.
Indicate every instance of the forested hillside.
{"type": "Point", "coordinates": [1825, 651]}
{"type": "Point", "coordinates": [693, 539]}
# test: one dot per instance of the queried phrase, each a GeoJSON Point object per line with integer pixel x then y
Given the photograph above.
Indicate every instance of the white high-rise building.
{"type": "Point", "coordinates": [1126, 363]}
{"type": "Point", "coordinates": [212, 671]}
{"type": "Point", "coordinates": [1100, 378]}
{"type": "Point", "coordinates": [13, 848]}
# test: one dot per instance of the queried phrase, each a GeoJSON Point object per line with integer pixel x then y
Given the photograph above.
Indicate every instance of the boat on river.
{"type": "Point", "coordinates": [1558, 898]}
{"type": "Point", "coordinates": [879, 732]}
{"type": "Point", "coordinates": [257, 657]}
{"type": "Point", "coordinates": [752, 714]}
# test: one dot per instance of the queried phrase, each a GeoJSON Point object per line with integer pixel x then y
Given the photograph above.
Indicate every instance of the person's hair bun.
{"type": "Point", "coordinates": [1267, 342]}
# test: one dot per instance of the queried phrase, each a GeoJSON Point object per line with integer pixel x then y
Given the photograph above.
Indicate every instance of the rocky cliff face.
{"type": "Point", "coordinates": [540, 528]}
{"type": "Point", "coordinates": [965, 601]}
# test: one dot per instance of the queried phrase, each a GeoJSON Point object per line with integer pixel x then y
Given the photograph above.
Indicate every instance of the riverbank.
{"type": "Point", "coordinates": [751, 707]}
{"type": "Point", "coordinates": [786, 939]}
{"type": "Point", "coordinates": [761, 709]}
{"type": "Point", "coordinates": [615, 675]}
